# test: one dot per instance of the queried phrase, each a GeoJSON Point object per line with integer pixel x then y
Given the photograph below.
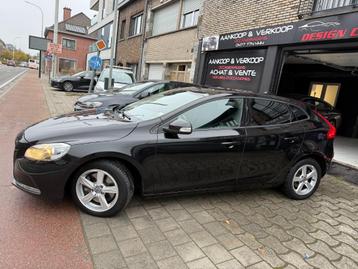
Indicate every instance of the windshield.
{"type": "Point", "coordinates": [134, 88]}
{"type": "Point", "coordinates": [82, 73]}
{"type": "Point", "coordinates": [118, 75]}
{"type": "Point", "coordinates": [159, 105]}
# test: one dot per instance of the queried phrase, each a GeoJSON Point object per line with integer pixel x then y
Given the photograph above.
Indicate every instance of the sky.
{"type": "Point", "coordinates": [18, 19]}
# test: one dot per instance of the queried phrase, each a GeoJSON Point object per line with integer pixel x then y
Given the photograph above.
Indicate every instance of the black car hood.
{"type": "Point", "coordinates": [79, 128]}
{"type": "Point", "coordinates": [109, 99]}
{"type": "Point", "coordinates": [63, 78]}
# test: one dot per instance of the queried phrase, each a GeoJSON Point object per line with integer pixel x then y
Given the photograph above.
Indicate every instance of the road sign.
{"type": "Point", "coordinates": [101, 44]}
{"type": "Point", "coordinates": [95, 62]}
{"type": "Point", "coordinates": [54, 48]}
{"type": "Point", "coordinates": [38, 43]}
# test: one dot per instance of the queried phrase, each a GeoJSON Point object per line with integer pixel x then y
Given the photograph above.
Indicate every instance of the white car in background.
{"type": "Point", "coordinates": [122, 77]}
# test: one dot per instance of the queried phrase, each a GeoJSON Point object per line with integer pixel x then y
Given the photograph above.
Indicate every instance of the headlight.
{"type": "Point", "coordinates": [47, 152]}
{"type": "Point", "coordinates": [92, 104]}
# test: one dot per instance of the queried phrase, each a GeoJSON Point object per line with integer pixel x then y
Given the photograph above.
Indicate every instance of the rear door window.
{"type": "Point", "coordinates": [267, 112]}
{"type": "Point", "coordinates": [298, 113]}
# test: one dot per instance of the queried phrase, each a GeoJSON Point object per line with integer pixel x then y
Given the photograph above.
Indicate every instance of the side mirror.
{"type": "Point", "coordinates": [179, 126]}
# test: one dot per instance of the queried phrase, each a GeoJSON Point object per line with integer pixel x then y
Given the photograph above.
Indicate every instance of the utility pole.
{"type": "Point", "coordinates": [113, 45]}
{"type": "Point", "coordinates": [55, 36]}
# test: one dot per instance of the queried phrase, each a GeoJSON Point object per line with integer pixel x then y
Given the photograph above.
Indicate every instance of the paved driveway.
{"type": "Point", "coordinates": [253, 229]}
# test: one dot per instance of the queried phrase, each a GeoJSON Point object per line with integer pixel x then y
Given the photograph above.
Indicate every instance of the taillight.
{"type": "Point", "coordinates": [331, 134]}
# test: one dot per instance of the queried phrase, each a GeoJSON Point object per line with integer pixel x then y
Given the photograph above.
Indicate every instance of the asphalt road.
{"type": "Point", "coordinates": [7, 73]}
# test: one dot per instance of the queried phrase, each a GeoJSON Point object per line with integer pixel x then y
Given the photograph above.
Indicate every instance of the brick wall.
{"type": "Point", "coordinates": [129, 48]}
{"type": "Point", "coordinates": [225, 16]}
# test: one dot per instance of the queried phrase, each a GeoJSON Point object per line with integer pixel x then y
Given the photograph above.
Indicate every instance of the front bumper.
{"type": "Point", "coordinates": [56, 84]}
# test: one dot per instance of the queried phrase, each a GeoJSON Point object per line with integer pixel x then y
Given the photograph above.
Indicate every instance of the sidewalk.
{"type": "Point", "coordinates": [33, 233]}
{"type": "Point", "coordinates": [253, 229]}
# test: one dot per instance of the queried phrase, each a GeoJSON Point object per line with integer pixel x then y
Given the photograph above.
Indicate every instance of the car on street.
{"type": "Point", "coordinates": [23, 64]}
{"type": "Point", "coordinates": [324, 108]}
{"type": "Point", "coordinates": [122, 76]}
{"type": "Point", "coordinates": [126, 95]}
{"type": "Point", "coordinates": [11, 63]}
{"type": "Point", "coordinates": [186, 140]}
{"type": "Point", "coordinates": [79, 81]}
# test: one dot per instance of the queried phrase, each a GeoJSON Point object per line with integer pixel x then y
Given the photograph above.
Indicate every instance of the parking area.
{"type": "Point", "coordinates": [251, 229]}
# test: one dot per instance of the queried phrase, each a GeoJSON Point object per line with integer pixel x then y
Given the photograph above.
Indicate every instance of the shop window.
{"type": "Point", "coordinates": [123, 29]}
{"type": "Point", "coordinates": [68, 44]}
{"type": "Point", "coordinates": [135, 27]}
{"type": "Point", "coordinates": [321, 5]}
{"type": "Point", "coordinates": [325, 91]}
{"type": "Point", "coordinates": [67, 66]}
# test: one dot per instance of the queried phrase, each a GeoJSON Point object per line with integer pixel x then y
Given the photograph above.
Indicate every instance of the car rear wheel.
{"type": "Point", "coordinates": [102, 188]}
{"type": "Point", "coordinates": [68, 86]}
{"type": "Point", "coordinates": [303, 179]}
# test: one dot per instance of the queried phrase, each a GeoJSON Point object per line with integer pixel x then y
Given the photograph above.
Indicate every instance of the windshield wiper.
{"type": "Point", "coordinates": [125, 115]}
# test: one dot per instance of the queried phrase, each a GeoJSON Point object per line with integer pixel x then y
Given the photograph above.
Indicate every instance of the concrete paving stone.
{"type": "Point", "coordinates": [191, 226]}
{"type": "Point", "coordinates": [118, 221]}
{"type": "Point", "coordinates": [141, 261]}
{"type": "Point", "coordinates": [245, 256]}
{"type": "Point", "coordinates": [298, 246]}
{"type": "Point", "coordinates": [217, 253]}
{"type": "Point", "coordinates": [296, 260]}
{"type": "Point", "coordinates": [347, 230]}
{"type": "Point", "coordinates": [167, 224]}
{"type": "Point", "coordinates": [151, 235]}
{"type": "Point", "coordinates": [158, 213]}
{"type": "Point", "coordinates": [189, 251]}
{"type": "Point", "coordinates": [203, 239]}
{"type": "Point", "coordinates": [132, 247]}
{"type": "Point", "coordinates": [324, 249]}
{"type": "Point", "coordinates": [264, 211]}
{"type": "Point", "coordinates": [274, 243]}
{"type": "Point", "coordinates": [217, 214]}
{"type": "Point", "coordinates": [348, 214]}
{"type": "Point", "coordinates": [301, 234]}
{"type": "Point", "coordinates": [232, 264]}
{"type": "Point", "coordinates": [319, 261]}
{"type": "Point", "coordinates": [260, 265]}
{"type": "Point", "coordinates": [303, 224]}
{"type": "Point", "coordinates": [190, 205]}
{"type": "Point", "coordinates": [255, 229]}
{"type": "Point", "coordinates": [180, 214]}
{"type": "Point", "coordinates": [96, 230]}
{"type": "Point", "coordinates": [135, 212]}
{"type": "Point", "coordinates": [174, 262]}
{"type": "Point", "coordinates": [281, 221]}
{"type": "Point", "coordinates": [308, 217]}
{"type": "Point", "coordinates": [161, 250]}
{"type": "Point", "coordinates": [229, 241]}
{"type": "Point", "coordinates": [109, 260]}
{"type": "Point", "coordinates": [89, 219]}
{"type": "Point", "coordinates": [249, 240]}
{"type": "Point", "coordinates": [260, 220]}
{"type": "Point", "coordinates": [203, 263]}
{"type": "Point", "coordinates": [122, 233]}
{"type": "Point", "coordinates": [224, 207]}
{"type": "Point", "coordinates": [345, 238]}
{"type": "Point", "coordinates": [321, 225]}
{"type": "Point", "coordinates": [177, 237]}
{"type": "Point", "coordinates": [233, 227]}
{"type": "Point", "coordinates": [352, 209]}
{"type": "Point", "coordinates": [347, 251]}
{"type": "Point", "coordinates": [345, 263]}
{"type": "Point", "coordinates": [102, 244]}
{"type": "Point", "coordinates": [143, 222]}
{"type": "Point", "coordinates": [268, 255]}
{"type": "Point", "coordinates": [325, 237]}
{"type": "Point", "coordinates": [205, 203]}
{"type": "Point", "coordinates": [328, 204]}
{"type": "Point", "coordinates": [203, 217]}
{"type": "Point", "coordinates": [151, 204]}
{"type": "Point", "coordinates": [239, 218]}
{"type": "Point", "coordinates": [215, 228]}
{"type": "Point", "coordinates": [325, 217]}
{"type": "Point", "coordinates": [245, 210]}
{"type": "Point", "coordinates": [284, 212]}
{"type": "Point", "coordinates": [279, 233]}
{"type": "Point", "coordinates": [348, 221]}
{"type": "Point", "coordinates": [170, 204]}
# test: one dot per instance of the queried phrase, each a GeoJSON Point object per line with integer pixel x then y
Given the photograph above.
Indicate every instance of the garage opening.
{"type": "Point", "coordinates": [331, 79]}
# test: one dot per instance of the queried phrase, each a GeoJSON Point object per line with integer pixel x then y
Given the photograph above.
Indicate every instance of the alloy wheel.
{"type": "Point", "coordinates": [97, 190]}
{"type": "Point", "coordinates": [68, 86]}
{"type": "Point", "coordinates": [305, 179]}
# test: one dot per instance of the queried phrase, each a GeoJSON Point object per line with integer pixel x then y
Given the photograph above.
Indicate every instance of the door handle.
{"type": "Point", "coordinates": [230, 144]}
{"type": "Point", "coordinates": [291, 140]}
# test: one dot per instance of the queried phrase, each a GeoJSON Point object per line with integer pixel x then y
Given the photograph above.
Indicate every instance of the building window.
{"type": "Point", "coordinates": [166, 19]}
{"type": "Point", "coordinates": [123, 29]}
{"type": "Point", "coordinates": [68, 44]}
{"type": "Point", "coordinates": [321, 5]}
{"type": "Point", "coordinates": [106, 33]}
{"type": "Point", "coordinates": [190, 19]}
{"type": "Point", "coordinates": [67, 66]}
{"type": "Point", "coordinates": [135, 27]}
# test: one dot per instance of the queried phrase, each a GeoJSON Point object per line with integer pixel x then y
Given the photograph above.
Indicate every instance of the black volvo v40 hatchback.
{"type": "Point", "coordinates": [180, 141]}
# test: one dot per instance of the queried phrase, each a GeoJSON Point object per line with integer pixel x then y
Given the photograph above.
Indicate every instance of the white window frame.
{"type": "Point", "coordinates": [137, 27]}
{"type": "Point", "coordinates": [194, 19]}
{"type": "Point", "coordinates": [69, 39]}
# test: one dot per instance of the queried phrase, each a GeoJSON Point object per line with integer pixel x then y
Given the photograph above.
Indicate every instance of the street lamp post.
{"type": "Point", "coordinates": [55, 37]}
{"type": "Point", "coordinates": [42, 31]}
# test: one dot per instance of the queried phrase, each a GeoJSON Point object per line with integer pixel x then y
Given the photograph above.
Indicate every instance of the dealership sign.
{"type": "Point", "coordinates": [235, 70]}
{"type": "Point", "coordinates": [320, 29]}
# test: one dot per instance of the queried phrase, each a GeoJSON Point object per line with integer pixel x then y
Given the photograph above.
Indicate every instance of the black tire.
{"type": "Point", "coordinates": [119, 173]}
{"type": "Point", "coordinates": [68, 86]}
{"type": "Point", "coordinates": [288, 186]}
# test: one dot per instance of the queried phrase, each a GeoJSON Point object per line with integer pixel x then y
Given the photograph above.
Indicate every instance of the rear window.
{"type": "Point", "coordinates": [298, 113]}
{"type": "Point", "coordinates": [118, 75]}
{"type": "Point", "coordinates": [267, 112]}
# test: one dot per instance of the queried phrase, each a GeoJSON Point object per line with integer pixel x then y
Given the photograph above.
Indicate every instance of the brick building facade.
{"type": "Point", "coordinates": [75, 40]}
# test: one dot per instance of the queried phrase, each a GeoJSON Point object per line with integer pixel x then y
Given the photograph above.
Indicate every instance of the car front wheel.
{"type": "Point", "coordinates": [303, 179]}
{"type": "Point", "coordinates": [68, 86]}
{"type": "Point", "coordinates": [102, 188]}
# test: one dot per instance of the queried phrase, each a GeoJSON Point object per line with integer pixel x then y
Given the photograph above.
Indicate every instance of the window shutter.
{"type": "Point", "coordinates": [191, 5]}
{"type": "Point", "coordinates": [165, 19]}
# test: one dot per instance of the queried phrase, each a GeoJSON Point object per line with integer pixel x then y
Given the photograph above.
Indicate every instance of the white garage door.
{"type": "Point", "coordinates": [156, 71]}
